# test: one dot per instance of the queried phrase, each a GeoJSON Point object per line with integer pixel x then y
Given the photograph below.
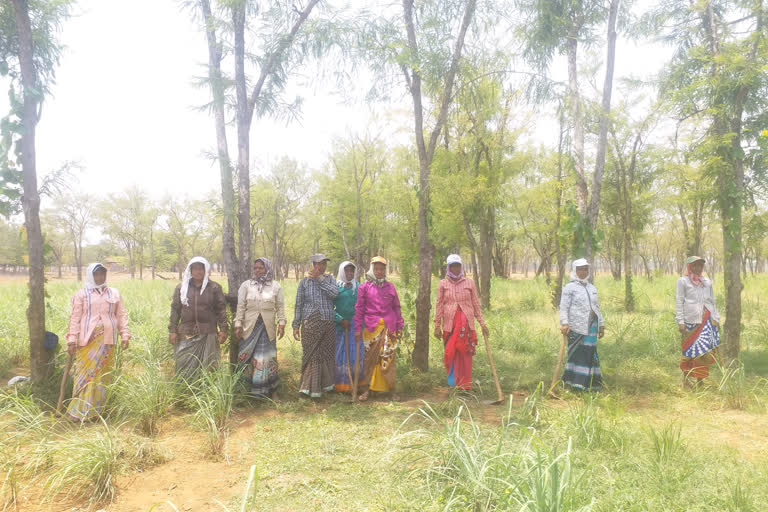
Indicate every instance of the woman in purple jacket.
{"type": "Point", "coordinates": [379, 324]}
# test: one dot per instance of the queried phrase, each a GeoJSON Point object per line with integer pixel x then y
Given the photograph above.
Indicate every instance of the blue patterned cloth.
{"type": "Point", "coordinates": [707, 341]}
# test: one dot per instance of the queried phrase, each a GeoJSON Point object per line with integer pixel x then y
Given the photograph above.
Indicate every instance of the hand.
{"type": "Point", "coordinates": [601, 332]}
{"type": "Point", "coordinates": [486, 331]}
{"type": "Point", "coordinates": [173, 338]}
{"type": "Point", "coordinates": [682, 328]}
{"type": "Point", "coordinates": [239, 332]}
{"type": "Point", "coordinates": [297, 334]}
{"type": "Point", "coordinates": [313, 273]}
{"type": "Point", "coordinates": [72, 349]}
{"type": "Point", "coordinates": [222, 337]}
{"type": "Point", "coordinates": [124, 344]}
{"type": "Point", "coordinates": [344, 324]}
{"type": "Point", "coordinates": [438, 334]}
{"type": "Point", "coordinates": [280, 331]}
{"type": "Point", "coordinates": [564, 329]}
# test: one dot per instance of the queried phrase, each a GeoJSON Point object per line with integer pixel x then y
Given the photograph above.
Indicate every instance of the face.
{"type": "Point", "coordinates": [100, 276]}
{"type": "Point", "coordinates": [582, 272]}
{"type": "Point", "coordinates": [379, 270]}
{"type": "Point", "coordinates": [320, 267]}
{"type": "Point", "coordinates": [259, 269]}
{"type": "Point", "coordinates": [198, 271]}
{"type": "Point", "coordinates": [349, 272]}
{"type": "Point", "coordinates": [697, 267]}
{"type": "Point", "coordinates": [455, 268]}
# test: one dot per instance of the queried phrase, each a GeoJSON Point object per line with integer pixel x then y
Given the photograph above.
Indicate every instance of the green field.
{"type": "Point", "coordinates": [642, 444]}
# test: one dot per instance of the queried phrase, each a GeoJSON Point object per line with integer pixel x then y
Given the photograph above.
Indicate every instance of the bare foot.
{"type": "Point", "coordinates": [363, 397]}
{"type": "Point", "coordinates": [275, 397]}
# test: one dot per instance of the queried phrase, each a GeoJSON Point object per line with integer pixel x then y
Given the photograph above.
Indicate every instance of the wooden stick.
{"type": "Point", "coordinates": [559, 365]}
{"type": "Point", "coordinates": [349, 364]}
{"type": "Point", "coordinates": [64, 383]}
{"type": "Point", "coordinates": [493, 369]}
{"type": "Point", "coordinates": [357, 369]}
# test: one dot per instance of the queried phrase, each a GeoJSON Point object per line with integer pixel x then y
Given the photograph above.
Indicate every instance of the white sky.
{"type": "Point", "coordinates": [124, 103]}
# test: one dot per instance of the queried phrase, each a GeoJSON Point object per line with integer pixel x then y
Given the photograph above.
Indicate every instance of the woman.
{"type": "Point", "coordinates": [348, 352]}
{"type": "Point", "coordinates": [379, 324]}
{"type": "Point", "coordinates": [457, 308]}
{"type": "Point", "coordinates": [98, 315]}
{"type": "Point", "coordinates": [260, 305]}
{"type": "Point", "coordinates": [581, 320]}
{"type": "Point", "coordinates": [197, 309]}
{"type": "Point", "coordinates": [314, 326]}
{"type": "Point", "coordinates": [698, 321]}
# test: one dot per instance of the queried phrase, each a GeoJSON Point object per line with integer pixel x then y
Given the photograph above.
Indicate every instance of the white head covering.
{"type": "Point", "coordinates": [453, 258]}
{"type": "Point", "coordinates": [341, 276]}
{"type": "Point", "coordinates": [581, 262]}
{"type": "Point", "coordinates": [90, 282]}
{"type": "Point", "coordinates": [188, 276]}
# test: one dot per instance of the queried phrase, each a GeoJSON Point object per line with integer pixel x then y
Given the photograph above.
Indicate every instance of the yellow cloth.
{"type": "Point", "coordinates": [378, 382]}
{"type": "Point", "coordinates": [93, 364]}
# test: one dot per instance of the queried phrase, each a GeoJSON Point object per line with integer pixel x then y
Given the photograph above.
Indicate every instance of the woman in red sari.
{"type": "Point", "coordinates": [457, 308]}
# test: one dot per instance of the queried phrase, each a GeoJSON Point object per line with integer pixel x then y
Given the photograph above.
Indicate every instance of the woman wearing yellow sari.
{"type": "Point", "coordinates": [98, 316]}
{"type": "Point", "coordinates": [379, 324]}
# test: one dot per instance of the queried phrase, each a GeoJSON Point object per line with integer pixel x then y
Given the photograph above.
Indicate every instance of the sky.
{"type": "Point", "coordinates": [125, 104]}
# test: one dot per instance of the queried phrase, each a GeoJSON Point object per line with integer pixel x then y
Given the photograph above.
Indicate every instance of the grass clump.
{"type": "Point", "coordinates": [212, 397]}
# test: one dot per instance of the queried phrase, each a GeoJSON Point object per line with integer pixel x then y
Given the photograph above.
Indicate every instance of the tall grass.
{"type": "Point", "coordinates": [464, 467]}
{"type": "Point", "coordinates": [144, 398]}
{"type": "Point", "coordinates": [212, 397]}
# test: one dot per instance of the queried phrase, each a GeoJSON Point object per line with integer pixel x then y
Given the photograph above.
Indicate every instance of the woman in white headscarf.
{"type": "Point", "coordinates": [198, 312]}
{"type": "Point", "coordinates": [349, 354]}
{"type": "Point", "coordinates": [582, 321]}
{"type": "Point", "coordinates": [98, 316]}
{"type": "Point", "coordinates": [259, 323]}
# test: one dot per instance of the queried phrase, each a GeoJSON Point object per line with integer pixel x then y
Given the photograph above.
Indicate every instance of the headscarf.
{"type": "Point", "coordinates": [581, 262]}
{"type": "Point", "coordinates": [188, 276]}
{"type": "Point", "coordinates": [695, 278]}
{"type": "Point", "coordinates": [341, 277]}
{"type": "Point", "coordinates": [268, 275]}
{"type": "Point", "coordinates": [454, 258]}
{"type": "Point", "coordinates": [371, 277]}
{"type": "Point", "coordinates": [90, 282]}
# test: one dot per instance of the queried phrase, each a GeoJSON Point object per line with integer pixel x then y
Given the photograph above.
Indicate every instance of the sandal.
{"type": "Point", "coordinates": [363, 397]}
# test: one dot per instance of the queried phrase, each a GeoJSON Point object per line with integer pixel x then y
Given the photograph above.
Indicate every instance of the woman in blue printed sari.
{"type": "Point", "coordinates": [348, 353]}
{"type": "Point", "coordinates": [582, 322]}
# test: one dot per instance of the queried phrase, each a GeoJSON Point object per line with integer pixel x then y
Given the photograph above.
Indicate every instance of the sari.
{"type": "Point", "coordinates": [699, 344]}
{"type": "Point", "coordinates": [318, 343]}
{"type": "Point", "coordinates": [93, 364]}
{"type": "Point", "coordinates": [582, 369]}
{"type": "Point", "coordinates": [345, 344]}
{"type": "Point", "coordinates": [460, 347]}
{"type": "Point", "coordinates": [259, 356]}
{"type": "Point", "coordinates": [379, 365]}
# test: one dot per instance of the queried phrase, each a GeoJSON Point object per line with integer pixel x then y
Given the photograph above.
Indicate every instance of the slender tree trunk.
{"type": "Point", "coordinates": [487, 237]}
{"type": "Point", "coordinates": [577, 118]}
{"type": "Point", "coordinates": [40, 359]}
{"type": "Point", "coordinates": [420, 354]}
{"type": "Point", "coordinates": [560, 254]}
{"type": "Point", "coordinates": [597, 179]}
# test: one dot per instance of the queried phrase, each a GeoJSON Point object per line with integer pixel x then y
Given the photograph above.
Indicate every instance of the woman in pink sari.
{"type": "Point", "coordinates": [457, 308]}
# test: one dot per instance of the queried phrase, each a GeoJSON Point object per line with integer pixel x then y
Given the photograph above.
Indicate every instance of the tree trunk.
{"type": "Point", "coordinates": [560, 254]}
{"type": "Point", "coordinates": [420, 356]}
{"type": "Point", "coordinates": [597, 179]}
{"type": "Point", "coordinates": [485, 252]}
{"type": "Point", "coordinates": [40, 359]}
{"type": "Point", "coordinates": [215, 77]}
{"type": "Point", "coordinates": [577, 118]}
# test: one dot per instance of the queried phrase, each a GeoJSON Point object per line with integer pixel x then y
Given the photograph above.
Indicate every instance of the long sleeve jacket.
{"type": "Point", "coordinates": [452, 295]}
{"type": "Point", "coordinates": [577, 302]}
{"type": "Point", "coordinates": [690, 301]}
{"type": "Point", "coordinates": [266, 301]}
{"type": "Point", "coordinates": [93, 307]}
{"type": "Point", "coordinates": [375, 302]}
{"type": "Point", "coordinates": [206, 310]}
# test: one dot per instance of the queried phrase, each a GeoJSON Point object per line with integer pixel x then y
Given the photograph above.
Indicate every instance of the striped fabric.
{"type": "Point", "coordinates": [452, 295]}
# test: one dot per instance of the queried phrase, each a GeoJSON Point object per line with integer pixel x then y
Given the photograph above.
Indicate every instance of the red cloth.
{"type": "Point", "coordinates": [460, 346]}
{"type": "Point", "coordinates": [697, 367]}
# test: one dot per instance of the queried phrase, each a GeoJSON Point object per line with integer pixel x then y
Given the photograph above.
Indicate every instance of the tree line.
{"type": "Point", "coordinates": [635, 174]}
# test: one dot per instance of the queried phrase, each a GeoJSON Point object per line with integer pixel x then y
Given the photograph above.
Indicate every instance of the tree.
{"type": "Point", "coordinates": [29, 53]}
{"type": "Point", "coordinates": [718, 76]}
{"type": "Point", "coordinates": [74, 212]}
{"type": "Point", "coordinates": [427, 54]}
